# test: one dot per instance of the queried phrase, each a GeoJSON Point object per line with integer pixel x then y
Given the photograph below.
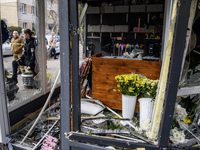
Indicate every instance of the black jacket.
{"type": "Point", "coordinates": [29, 52]}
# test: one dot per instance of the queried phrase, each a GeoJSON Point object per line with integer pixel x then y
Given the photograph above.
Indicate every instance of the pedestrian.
{"type": "Point", "coordinates": [17, 45]}
{"type": "Point", "coordinates": [27, 59]}
{"type": "Point", "coordinates": [4, 31]}
{"type": "Point", "coordinates": [52, 45]}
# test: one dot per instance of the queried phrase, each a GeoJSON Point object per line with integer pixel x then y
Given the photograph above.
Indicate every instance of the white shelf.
{"type": "Point", "coordinates": [188, 90]}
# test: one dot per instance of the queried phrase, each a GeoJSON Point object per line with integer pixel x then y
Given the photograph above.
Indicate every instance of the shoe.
{"type": "Point", "coordinates": [11, 80]}
{"type": "Point", "coordinates": [55, 58]}
{"type": "Point", "coordinates": [19, 72]}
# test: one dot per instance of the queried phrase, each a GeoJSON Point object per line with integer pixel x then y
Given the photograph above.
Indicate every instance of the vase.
{"type": "Point", "coordinates": [146, 110]}
{"type": "Point", "coordinates": [128, 106]}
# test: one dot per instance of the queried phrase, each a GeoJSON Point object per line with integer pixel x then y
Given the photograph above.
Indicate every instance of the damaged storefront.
{"type": "Point", "coordinates": [136, 87]}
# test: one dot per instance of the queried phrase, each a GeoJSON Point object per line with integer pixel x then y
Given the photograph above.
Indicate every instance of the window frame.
{"type": "Point", "coordinates": [24, 25]}
{"type": "Point", "coordinates": [23, 8]}
{"type": "Point", "coordinates": [32, 10]}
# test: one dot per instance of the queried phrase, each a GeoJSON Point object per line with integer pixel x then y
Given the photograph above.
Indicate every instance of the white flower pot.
{"type": "Point", "coordinates": [146, 110]}
{"type": "Point", "coordinates": [128, 106]}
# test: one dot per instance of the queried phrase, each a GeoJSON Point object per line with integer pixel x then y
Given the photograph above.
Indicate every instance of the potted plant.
{"type": "Point", "coordinates": [129, 86]}
{"type": "Point", "coordinates": [148, 94]}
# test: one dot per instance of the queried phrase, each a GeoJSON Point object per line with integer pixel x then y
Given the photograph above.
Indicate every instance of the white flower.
{"type": "Point", "coordinates": [139, 130]}
{"type": "Point", "coordinates": [177, 135]}
{"type": "Point", "coordinates": [148, 133]}
{"type": "Point", "coordinates": [146, 124]}
{"type": "Point", "coordinates": [182, 140]}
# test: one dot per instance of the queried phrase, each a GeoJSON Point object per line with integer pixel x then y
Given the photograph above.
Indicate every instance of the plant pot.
{"type": "Point", "coordinates": [146, 110]}
{"type": "Point", "coordinates": [128, 106]}
{"type": "Point", "coordinates": [27, 80]}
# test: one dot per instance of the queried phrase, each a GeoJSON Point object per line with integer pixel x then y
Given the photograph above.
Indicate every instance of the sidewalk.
{"type": "Point", "coordinates": [24, 92]}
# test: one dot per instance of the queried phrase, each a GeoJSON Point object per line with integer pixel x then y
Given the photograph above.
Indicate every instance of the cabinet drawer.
{"type": "Point", "coordinates": [107, 9]}
{"type": "Point", "coordinates": [137, 8]}
{"type": "Point", "coordinates": [106, 28]}
{"type": "Point", "coordinates": [155, 8]}
{"type": "Point", "coordinates": [93, 10]}
{"type": "Point", "coordinates": [93, 28]}
{"type": "Point", "coordinates": [121, 28]}
{"type": "Point", "coordinates": [121, 9]}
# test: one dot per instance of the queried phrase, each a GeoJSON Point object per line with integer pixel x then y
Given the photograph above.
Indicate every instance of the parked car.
{"type": "Point", "coordinates": [6, 47]}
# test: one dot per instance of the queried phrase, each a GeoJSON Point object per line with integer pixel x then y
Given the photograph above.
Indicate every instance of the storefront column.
{"type": "Point", "coordinates": [40, 5]}
{"type": "Point", "coordinates": [65, 121]}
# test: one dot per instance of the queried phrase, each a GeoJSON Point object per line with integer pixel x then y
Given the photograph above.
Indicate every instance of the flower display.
{"type": "Point", "coordinates": [180, 113]}
{"type": "Point", "coordinates": [177, 136]}
{"type": "Point", "coordinates": [129, 84]}
{"type": "Point", "coordinates": [149, 88]}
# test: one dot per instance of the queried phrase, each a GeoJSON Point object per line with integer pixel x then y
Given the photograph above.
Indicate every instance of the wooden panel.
{"type": "Point", "coordinates": [104, 71]}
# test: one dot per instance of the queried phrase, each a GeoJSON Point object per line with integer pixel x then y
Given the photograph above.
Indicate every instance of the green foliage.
{"type": "Point", "coordinates": [49, 77]}
{"type": "Point", "coordinates": [113, 126]}
{"type": "Point", "coordinates": [6, 73]}
{"type": "Point", "coordinates": [175, 124]}
{"type": "Point", "coordinates": [15, 28]}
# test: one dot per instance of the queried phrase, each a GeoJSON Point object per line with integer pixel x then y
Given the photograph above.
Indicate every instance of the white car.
{"type": "Point", "coordinates": [6, 47]}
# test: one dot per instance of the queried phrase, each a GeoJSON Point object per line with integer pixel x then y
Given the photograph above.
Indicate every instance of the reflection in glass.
{"type": "Point", "coordinates": [52, 40]}
{"type": "Point", "coordinates": [21, 16]}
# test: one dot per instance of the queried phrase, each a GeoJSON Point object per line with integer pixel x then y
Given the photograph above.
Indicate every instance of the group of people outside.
{"type": "Point", "coordinates": [26, 57]}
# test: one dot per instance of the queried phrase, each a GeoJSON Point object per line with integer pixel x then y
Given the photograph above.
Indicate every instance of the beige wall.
{"type": "Point", "coordinates": [9, 13]}
{"type": "Point", "coordinates": [28, 2]}
{"type": "Point", "coordinates": [27, 17]}
{"type": "Point", "coordinates": [13, 17]}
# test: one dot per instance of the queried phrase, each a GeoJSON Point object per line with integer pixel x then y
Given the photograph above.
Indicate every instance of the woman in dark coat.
{"type": "Point", "coordinates": [28, 58]}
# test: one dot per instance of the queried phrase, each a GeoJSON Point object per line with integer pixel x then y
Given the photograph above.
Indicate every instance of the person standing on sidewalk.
{"type": "Point", "coordinates": [17, 44]}
{"type": "Point", "coordinates": [52, 45]}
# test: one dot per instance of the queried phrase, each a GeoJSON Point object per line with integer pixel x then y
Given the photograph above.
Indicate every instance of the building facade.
{"type": "Point", "coordinates": [22, 13]}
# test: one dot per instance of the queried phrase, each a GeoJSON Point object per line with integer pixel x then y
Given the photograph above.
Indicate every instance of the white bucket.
{"type": "Point", "coordinates": [146, 110]}
{"type": "Point", "coordinates": [128, 106]}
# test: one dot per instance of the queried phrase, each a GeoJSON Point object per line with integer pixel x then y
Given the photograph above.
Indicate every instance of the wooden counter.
{"type": "Point", "coordinates": [104, 71]}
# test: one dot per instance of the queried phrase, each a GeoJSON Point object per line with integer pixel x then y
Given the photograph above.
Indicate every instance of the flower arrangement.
{"type": "Point", "coordinates": [177, 135]}
{"type": "Point", "coordinates": [149, 88]}
{"type": "Point", "coordinates": [129, 84]}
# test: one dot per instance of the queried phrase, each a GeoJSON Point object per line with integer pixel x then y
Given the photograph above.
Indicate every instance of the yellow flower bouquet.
{"type": "Point", "coordinates": [129, 84]}
{"type": "Point", "coordinates": [149, 88]}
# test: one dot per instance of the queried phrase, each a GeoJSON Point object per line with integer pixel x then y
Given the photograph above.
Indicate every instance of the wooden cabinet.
{"type": "Point", "coordinates": [104, 71]}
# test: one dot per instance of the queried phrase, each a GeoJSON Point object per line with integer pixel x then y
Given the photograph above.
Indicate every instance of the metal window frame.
{"type": "Point", "coordinates": [65, 73]}
{"type": "Point", "coordinates": [75, 65]}
{"type": "Point", "coordinates": [171, 92]}
{"type": "Point", "coordinates": [4, 119]}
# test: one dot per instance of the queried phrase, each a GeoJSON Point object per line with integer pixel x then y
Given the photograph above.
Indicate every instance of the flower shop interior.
{"type": "Point", "coordinates": [138, 79]}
